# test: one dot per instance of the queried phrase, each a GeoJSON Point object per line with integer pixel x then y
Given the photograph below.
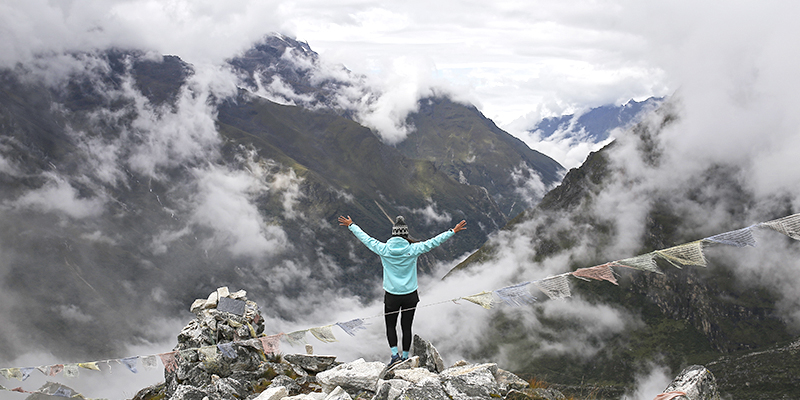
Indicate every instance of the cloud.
{"type": "Point", "coordinates": [58, 195]}
{"type": "Point", "coordinates": [431, 215]}
{"type": "Point", "coordinates": [649, 384]}
{"type": "Point", "coordinates": [226, 204]}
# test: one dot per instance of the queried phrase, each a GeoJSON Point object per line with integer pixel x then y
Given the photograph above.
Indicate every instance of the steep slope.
{"type": "Point", "coordinates": [472, 149]}
{"type": "Point", "coordinates": [680, 317]}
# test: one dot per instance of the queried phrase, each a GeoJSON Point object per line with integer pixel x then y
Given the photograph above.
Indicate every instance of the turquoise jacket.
{"type": "Point", "coordinates": [399, 258]}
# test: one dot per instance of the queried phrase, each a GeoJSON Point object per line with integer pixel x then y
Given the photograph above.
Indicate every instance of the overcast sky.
{"type": "Point", "coordinates": [511, 58]}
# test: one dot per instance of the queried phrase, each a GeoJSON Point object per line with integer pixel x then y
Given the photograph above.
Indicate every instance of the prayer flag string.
{"type": "Point", "coordinates": [555, 287]}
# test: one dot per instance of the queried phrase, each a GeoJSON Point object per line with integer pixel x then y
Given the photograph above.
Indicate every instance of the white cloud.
{"type": "Point", "coordinates": [225, 204]}
{"type": "Point", "coordinates": [431, 215]}
{"type": "Point", "coordinates": [58, 195]}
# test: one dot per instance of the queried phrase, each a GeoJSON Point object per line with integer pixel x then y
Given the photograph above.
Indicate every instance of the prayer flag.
{"type": "Point", "coordinates": [644, 262]}
{"type": "Point", "coordinates": [5, 373]}
{"type": "Point", "coordinates": [323, 334]}
{"type": "Point", "coordinates": [15, 373]}
{"type": "Point", "coordinates": [669, 395]}
{"type": "Point", "coordinates": [483, 299]}
{"type": "Point", "coordinates": [789, 226]}
{"type": "Point", "coordinates": [26, 372]}
{"type": "Point", "coordinates": [685, 254]}
{"type": "Point", "coordinates": [209, 353]}
{"type": "Point", "coordinates": [130, 362]}
{"type": "Point", "coordinates": [556, 287]}
{"type": "Point", "coordinates": [71, 370]}
{"type": "Point", "coordinates": [515, 295]}
{"type": "Point", "coordinates": [89, 365]}
{"type": "Point", "coordinates": [297, 338]}
{"type": "Point", "coordinates": [350, 327]}
{"type": "Point", "coordinates": [227, 350]}
{"type": "Point", "coordinates": [44, 369]}
{"type": "Point", "coordinates": [271, 344]}
{"type": "Point", "coordinates": [149, 362]}
{"type": "Point", "coordinates": [169, 361]}
{"type": "Point", "coordinates": [739, 238]}
{"type": "Point", "coordinates": [55, 369]}
{"type": "Point", "coordinates": [598, 272]}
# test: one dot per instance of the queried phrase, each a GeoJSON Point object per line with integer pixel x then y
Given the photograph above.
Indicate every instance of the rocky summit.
{"type": "Point", "coordinates": [221, 355]}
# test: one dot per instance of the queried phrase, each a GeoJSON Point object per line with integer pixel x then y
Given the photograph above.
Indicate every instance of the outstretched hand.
{"type": "Point", "coordinates": [345, 221]}
{"type": "Point", "coordinates": [460, 226]}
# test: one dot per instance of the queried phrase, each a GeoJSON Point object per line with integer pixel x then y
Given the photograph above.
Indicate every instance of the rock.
{"type": "Point", "coordinates": [416, 375]}
{"type": "Point", "coordinates": [391, 389]}
{"type": "Point", "coordinates": [307, 396]}
{"type": "Point", "coordinates": [311, 363]}
{"type": "Point", "coordinates": [286, 382]}
{"type": "Point", "coordinates": [508, 381]}
{"type": "Point", "coordinates": [697, 382]}
{"type": "Point", "coordinates": [544, 394]}
{"type": "Point", "coordinates": [429, 390]}
{"type": "Point", "coordinates": [226, 388]}
{"type": "Point", "coordinates": [428, 355]}
{"type": "Point", "coordinates": [357, 375]}
{"type": "Point", "coordinates": [273, 393]}
{"type": "Point", "coordinates": [491, 368]}
{"type": "Point", "coordinates": [186, 392]}
{"type": "Point", "coordinates": [471, 381]}
{"type": "Point", "coordinates": [338, 394]}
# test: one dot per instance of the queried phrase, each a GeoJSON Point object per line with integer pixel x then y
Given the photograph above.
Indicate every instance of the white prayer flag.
{"type": "Point", "coordinates": [556, 287]}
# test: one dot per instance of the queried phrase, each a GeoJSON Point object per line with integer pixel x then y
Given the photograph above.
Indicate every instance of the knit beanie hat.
{"type": "Point", "coordinates": [400, 228]}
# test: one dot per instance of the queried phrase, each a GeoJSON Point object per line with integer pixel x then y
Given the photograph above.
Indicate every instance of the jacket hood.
{"type": "Point", "coordinates": [397, 245]}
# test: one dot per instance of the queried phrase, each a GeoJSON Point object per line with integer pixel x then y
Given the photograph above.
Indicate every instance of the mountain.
{"type": "Point", "coordinates": [606, 335]}
{"type": "Point", "coordinates": [127, 175]}
{"type": "Point", "coordinates": [596, 124]}
{"type": "Point", "coordinates": [463, 143]}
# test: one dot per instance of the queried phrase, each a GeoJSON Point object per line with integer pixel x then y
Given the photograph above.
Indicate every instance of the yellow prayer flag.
{"type": "Point", "coordinates": [483, 299]}
{"type": "Point", "coordinates": [89, 365]}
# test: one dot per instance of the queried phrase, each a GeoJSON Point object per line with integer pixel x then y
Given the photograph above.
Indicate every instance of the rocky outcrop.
{"type": "Point", "coordinates": [220, 356]}
{"type": "Point", "coordinates": [693, 383]}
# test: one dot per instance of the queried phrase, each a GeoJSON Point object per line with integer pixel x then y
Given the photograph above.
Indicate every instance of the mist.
{"type": "Point", "coordinates": [732, 70]}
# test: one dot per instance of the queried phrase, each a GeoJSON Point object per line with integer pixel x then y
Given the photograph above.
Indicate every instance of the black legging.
{"type": "Point", "coordinates": [393, 303]}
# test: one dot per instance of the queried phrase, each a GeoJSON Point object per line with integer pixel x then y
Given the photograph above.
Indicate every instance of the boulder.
{"type": "Point", "coordinates": [508, 381]}
{"type": "Point", "coordinates": [471, 381]}
{"type": "Point", "coordinates": [354, 376]}
{"type": "Point", "coordinates": [391, 389]}
{"type": "Point", "coordinates": [338, 394]}
{"type": "Point", "coordinates": [428, 355]}
{"type": "Point", "coordinates": [428, 390]}
{"type": "Point", "coordinates": [696, 383]}
{"type": "Point", "coordinates": [273, 393]}
{"type": "Point", "coordinates": [416, 375]}
{"type": "Point", "coordinates": [310, 363]}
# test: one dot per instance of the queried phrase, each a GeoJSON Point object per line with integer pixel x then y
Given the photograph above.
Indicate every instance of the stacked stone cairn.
{"type": "Point", "coordinates": [225, 317]}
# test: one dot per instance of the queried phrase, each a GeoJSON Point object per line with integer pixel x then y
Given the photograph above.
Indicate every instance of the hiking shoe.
{"type": "Point", "coordinates": [395, 359]}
